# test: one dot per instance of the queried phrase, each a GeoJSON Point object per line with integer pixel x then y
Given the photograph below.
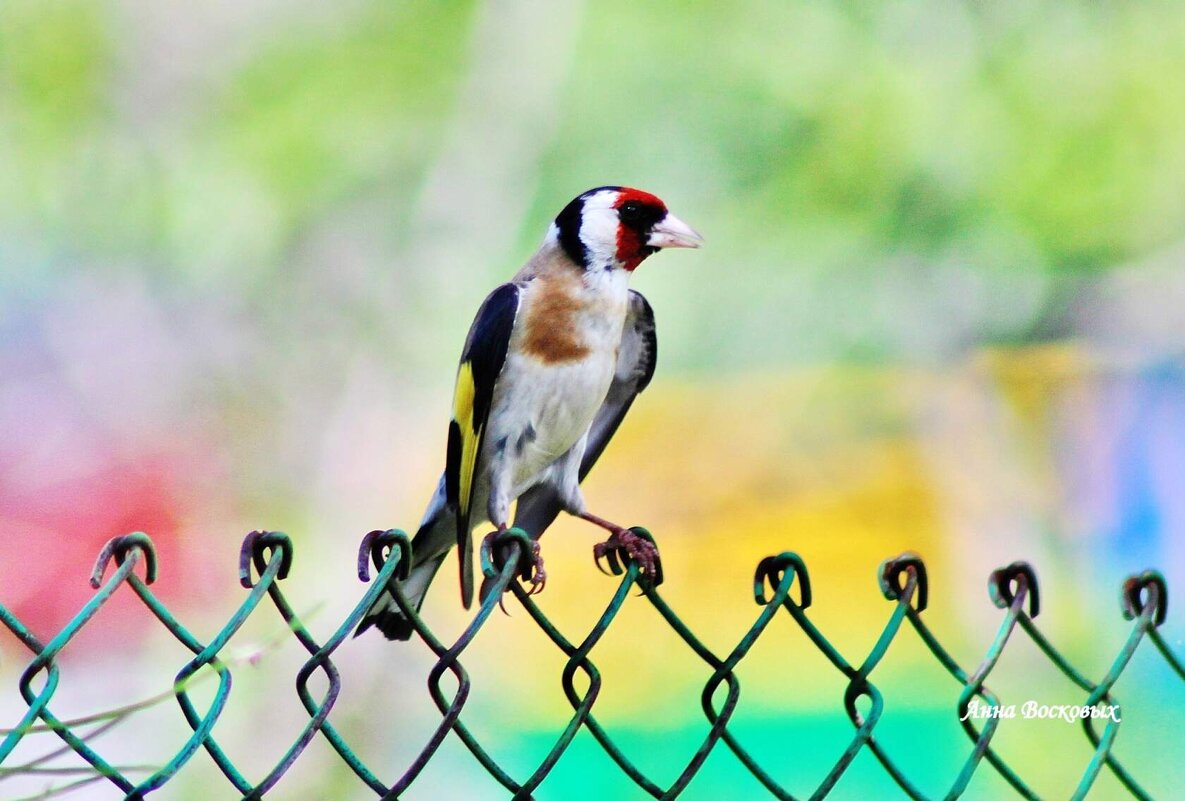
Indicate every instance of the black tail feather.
{"type": "Point", "coordinates": [390, 621]}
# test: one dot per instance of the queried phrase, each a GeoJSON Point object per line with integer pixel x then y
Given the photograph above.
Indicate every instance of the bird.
{"type": "Point", "coordinates": [552, 362]}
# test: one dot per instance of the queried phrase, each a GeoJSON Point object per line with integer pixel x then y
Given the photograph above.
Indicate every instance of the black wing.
{"type": "Point", "coordinates": [540, 505]}
{"type": "Point", "coordinates": [481, 364]}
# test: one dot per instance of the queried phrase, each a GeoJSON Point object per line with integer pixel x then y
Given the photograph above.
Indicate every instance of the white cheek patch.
{"type": "Point", "coordinates": [598, 229]}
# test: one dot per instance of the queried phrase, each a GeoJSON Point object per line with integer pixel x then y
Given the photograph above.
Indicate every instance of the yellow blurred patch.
{"type": "Point", "coordinates": [824, 463]}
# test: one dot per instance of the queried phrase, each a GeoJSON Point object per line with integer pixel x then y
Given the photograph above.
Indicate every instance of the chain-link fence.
{"type": "Point", "coordinates": [903, 581]}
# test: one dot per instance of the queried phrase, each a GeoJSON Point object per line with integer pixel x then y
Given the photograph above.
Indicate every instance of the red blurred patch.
{"type": "Point", "coordinates": [50, 535]}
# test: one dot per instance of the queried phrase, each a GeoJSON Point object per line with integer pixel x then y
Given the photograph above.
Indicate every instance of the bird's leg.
{"type": "Point", "coordinates": [639, 549]}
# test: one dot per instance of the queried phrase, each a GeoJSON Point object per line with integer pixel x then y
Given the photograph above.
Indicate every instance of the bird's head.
{"type": "Point", "coordinates": [615, 227]}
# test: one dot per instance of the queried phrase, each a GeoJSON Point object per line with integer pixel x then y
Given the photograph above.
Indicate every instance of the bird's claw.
{"type": "Point", "coordinates": [636, 548]}
{"type": "Point", "coordinates": [538, 577]}
{"type": "Point", "coordinates": [600, 551]}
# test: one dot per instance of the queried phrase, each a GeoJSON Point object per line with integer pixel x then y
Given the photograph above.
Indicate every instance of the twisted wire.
{"type": "Point", "coordinates": [266, 558]}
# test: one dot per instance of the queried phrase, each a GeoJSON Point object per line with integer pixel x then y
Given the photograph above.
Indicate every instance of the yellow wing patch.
{"type": "Point", "coordinates": [470, 437]}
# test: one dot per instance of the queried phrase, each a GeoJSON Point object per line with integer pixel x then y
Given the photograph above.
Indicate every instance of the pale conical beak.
{"type": "Point", "coordinates": [671, 232]}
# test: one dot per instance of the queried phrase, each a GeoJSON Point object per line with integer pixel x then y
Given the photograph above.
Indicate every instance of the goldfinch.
{"type": "Point", "coordinates": [552, 363]}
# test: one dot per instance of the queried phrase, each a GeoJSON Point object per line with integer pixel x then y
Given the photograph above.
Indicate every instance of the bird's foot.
{"type": "Point", "coordinates": [637, 548]}
{"type": "Point", "coordinates": [532, 571]}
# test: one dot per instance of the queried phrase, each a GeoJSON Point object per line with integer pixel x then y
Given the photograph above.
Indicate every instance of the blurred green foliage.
{"type": "Point", "coordinates": [821, 141]}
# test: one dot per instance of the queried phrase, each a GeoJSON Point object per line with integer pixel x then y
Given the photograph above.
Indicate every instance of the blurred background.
{"type": "Point", "coordinates": [940, 309]}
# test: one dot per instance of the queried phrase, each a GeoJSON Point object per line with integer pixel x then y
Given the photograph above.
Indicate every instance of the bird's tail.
{"type": "Point", "coordinates": [430, 545]}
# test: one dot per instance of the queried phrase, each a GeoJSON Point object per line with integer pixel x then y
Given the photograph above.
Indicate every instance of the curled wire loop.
{"type": "Point", "coordinates": [259, 547]}
{"type": "Point", "coordinates": [1144, 590]}
{"type": "Point", "coordinates": [120, 549]}
{"type": "Point", "coordinates": [381, 546]}
{"type": "Point", "coordinates": [896, 574]}
{"type": "Point", "coordinates": [772, 572]}
{"type": "Point", "coordinates": [1016, 580]}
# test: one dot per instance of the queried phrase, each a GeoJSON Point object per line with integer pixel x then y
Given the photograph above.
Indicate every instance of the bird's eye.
{"type": "Point", "coordinates": [630, 211]}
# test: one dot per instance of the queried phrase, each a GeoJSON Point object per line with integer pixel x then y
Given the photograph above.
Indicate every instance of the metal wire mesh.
{"type": "Point", "coordinates": [903, 582]}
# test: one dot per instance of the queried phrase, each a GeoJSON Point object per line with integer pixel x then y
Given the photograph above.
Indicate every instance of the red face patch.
{"type": "Point", "coordinates": [638, 211]}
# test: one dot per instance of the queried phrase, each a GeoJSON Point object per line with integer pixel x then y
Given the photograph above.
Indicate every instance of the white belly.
{"type": "Point", "coordinates": [544, 412]}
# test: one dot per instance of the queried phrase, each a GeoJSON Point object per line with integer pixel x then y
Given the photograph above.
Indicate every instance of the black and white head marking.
{"type": "Point", "coordinates": [607, 227]}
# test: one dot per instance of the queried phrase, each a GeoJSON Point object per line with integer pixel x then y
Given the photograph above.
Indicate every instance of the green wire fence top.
{"type": "Point", "coordinates": [266, 557]}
